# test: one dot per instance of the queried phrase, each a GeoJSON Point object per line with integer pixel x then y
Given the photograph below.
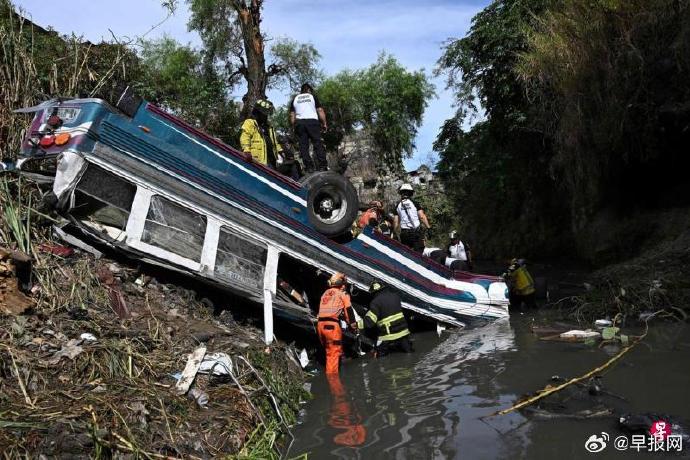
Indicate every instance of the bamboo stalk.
{"type": "Point", "coordinates": [545, 392]}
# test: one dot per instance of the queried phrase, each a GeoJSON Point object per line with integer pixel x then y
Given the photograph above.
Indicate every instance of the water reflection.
{"type": "Point", "coordinates": [343, 416]}
{"type": "Point", "coordinates": [432, 403]}
{"type": "Point", "coordinates": [409, 401]}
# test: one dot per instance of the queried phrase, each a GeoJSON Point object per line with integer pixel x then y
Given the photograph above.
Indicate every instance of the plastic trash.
{"type": "Point", "coordinates": [199, 396]}
{"type": "Point", "coordinates": [578, 334]}
{"type": "Point", "coordinates": [602, 323]}
{"type": "Point", "coordinates": [87, 337]}
{"type": "Point", "coordinates": [303, 358]}
{"type": "Point", "coordinates": [70, 350]}
{"type": "Point", "coordinates": [216, 363]}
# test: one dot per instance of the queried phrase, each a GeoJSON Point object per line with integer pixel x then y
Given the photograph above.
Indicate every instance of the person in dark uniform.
{"type": "Point", "coordinates": [307, 118]}
{"type": "Point", "coordinates": [386, 316]}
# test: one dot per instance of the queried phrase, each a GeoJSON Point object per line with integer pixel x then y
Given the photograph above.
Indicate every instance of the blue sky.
{"type": "Point", "coordinates": [348, 34]}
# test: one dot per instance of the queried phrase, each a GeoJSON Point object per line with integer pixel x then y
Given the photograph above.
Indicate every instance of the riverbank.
{"type": "Point", "coordinates": [657, 278]}
{"type": "Point", "coordinates": [90, 363]}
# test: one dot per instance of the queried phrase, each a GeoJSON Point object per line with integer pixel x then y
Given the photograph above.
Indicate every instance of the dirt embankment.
{"type": "Point", "coordinates": [655, 275]}
{"type": "Point", "coordinates": [90, 368]}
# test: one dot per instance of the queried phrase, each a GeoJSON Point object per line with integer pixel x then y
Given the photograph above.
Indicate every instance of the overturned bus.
{"type": "Point", "coordinates": [142, 181]}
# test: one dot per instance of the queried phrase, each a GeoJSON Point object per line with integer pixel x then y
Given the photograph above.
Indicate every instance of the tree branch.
{"type": "Point", "coordinates": [275, 69]}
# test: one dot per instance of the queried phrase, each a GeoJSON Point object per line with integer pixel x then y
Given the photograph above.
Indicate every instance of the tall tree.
{"type": "Point", "coordinates": [233, 39]}
{"type": "Point", "coordinates": [386, 100]}
{"type": "Point", "coordinates": [175, 77]}
{"type": "Point", "coordinates": [497, 170]}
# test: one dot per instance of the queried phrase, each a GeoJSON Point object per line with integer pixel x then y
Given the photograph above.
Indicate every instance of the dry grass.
{"type": "Point", "coordinates": [117, 394]}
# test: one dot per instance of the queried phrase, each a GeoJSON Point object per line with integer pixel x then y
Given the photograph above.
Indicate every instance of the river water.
{"type": "Point", "coordinates": [432, 403]}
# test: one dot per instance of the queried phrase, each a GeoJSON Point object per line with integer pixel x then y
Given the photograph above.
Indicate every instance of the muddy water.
{"type": "Point", "coordinates": [429, 404]}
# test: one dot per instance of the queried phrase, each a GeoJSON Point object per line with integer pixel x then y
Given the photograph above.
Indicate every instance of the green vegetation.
{"type": "Point", "coordinates": [385, 99]}
{"type": "Point", "coordinates": [585, 115]}
{"type": "Point", "coordinates": [176, 77]}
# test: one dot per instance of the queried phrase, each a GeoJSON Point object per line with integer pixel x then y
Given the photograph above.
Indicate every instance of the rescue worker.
{"type": "Point", "coordinates": [258, 139]}
{"type": "Point", "coordinates": [372, 215]}
{"type": "Point", "coordinates": [386, 316]}
{"type": "Point", "coordinates": [305, 114]}
{"type": "Point", "coordinates": [410, 220]}
{"type": "Point", "coordinates": [335, 307]}
{"type": "Point", "coordinates": [520, 283]}
{"type": "Point", "coordinates": [386, 227]}
{"type": "Point", "coordinates": [459, 255]}
{"type": "Point", "coordinates": [289, 167]}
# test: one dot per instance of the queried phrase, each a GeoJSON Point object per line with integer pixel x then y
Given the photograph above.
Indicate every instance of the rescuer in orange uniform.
{"type": "Point", "coordinates": [372, 216]}
{"type": "Point", "coordinates": [335, 307]}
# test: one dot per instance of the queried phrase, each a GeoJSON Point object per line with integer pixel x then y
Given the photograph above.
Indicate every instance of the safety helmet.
{"type": "Point", "coordinates": [264, 106]}
{"type": "Point", "coordinates": [337, 279]}
{"type": "Point", "coordinates": [453, 235]}
{"type": "Point", "coordinates": [376, 286]}
{"type": "Point", "coordinates": [406, 189]}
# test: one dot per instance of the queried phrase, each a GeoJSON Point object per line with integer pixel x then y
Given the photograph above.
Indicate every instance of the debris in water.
{"type": "Point", "coordinates": [602, 323]}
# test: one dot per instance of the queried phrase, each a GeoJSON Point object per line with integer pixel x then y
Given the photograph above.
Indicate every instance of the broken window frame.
{"type": "Point", "coordinates": [258, 260]}
{"type": "Point", "coordinates": [179, 221]}
{"type": "Point", "coordinates": [118, 189]}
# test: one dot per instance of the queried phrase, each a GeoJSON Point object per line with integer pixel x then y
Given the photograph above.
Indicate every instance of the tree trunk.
{"type": "Point", "coordinates": [255, 69]}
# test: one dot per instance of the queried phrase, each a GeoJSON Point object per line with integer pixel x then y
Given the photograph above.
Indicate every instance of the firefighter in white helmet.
{"type": "Point", "coordinates": [410, 221]}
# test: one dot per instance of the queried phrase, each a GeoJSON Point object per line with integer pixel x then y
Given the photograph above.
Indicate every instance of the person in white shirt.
{"type": "Point", "coordinates": [459, 256]}
{"type": "Point", "coordinates": [410, 220]}
{"type": "Point", "coordinates": [305, 114]}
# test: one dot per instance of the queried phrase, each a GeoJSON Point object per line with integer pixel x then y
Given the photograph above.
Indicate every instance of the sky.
{"type": "Point", "coordinates": [349, 34]}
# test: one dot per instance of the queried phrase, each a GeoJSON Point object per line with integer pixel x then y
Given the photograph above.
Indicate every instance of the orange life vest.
{"type": "Point", "coordinates": [334, 303]}
{"type": "Point", "coordinates": [366, 217]}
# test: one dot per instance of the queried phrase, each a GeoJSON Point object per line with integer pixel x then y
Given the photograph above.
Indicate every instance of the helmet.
{"type": "Point", "coordinates": [264, 106]}
{"type": "Point", "coordinates": [406, 189]}
{"type": "Point", "coordinates": [337, 279]}
{"type": "Point", "coordinates": [376, 286]}
{"type": "Point", "coordinates": [453, 235]}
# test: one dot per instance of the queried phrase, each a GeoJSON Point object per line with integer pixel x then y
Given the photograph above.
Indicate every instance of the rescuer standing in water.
{"type": "Point", "coordinates": [335, 307]}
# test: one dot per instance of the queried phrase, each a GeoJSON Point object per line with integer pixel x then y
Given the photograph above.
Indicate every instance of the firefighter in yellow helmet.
{"type": "Point", "coordinates": [258, 138]}
{"type": "Point", "coordinates": [335, 307]}
{"type": "Point", "coordinates": [520, 283]}
{"type": "Point", "coordinates": [386, 316]}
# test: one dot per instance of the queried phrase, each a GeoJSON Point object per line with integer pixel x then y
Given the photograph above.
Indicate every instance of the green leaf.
{"type": "Point", "coordinates": [590, 341]}
{"type": "Point", "coordinates": [609, 333]}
